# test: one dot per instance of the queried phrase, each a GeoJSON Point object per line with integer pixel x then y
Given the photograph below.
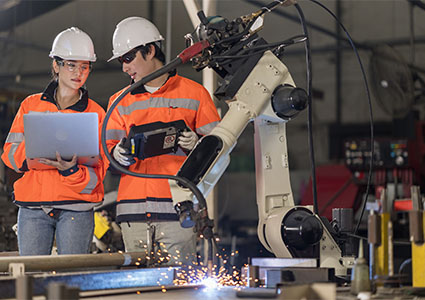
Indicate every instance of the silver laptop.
{"type": "Point", "coordinates": [67, 133]}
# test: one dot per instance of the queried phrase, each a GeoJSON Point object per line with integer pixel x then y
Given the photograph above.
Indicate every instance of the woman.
{"type": "Point", "coordinates": [58, 201]}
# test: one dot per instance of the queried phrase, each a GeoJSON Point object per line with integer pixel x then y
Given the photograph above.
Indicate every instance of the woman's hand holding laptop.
{"type": "Point", "coordinates": [59, 163]}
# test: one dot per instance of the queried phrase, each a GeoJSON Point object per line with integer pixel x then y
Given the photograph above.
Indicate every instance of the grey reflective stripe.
{"type": "Point", "coordinates": [143, 207]}
{"type": "Point", "coordinates": [159, 103]}
{"type": "Point", "coordinates": [92, 182]}
{"type": "Point", "coordinates": [206, 129]}
{"type": "Point", "coordinates": [12, 158]}
{"type": "Point", "coordinates": [15, 137]}
{"type": "Point", "coordinates": [115, 134]}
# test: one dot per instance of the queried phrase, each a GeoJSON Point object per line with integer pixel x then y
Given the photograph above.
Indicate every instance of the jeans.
{"type": "Point", "coordinates": [37, 231]}
{"type": "Point", "coordinates": [180, 243]}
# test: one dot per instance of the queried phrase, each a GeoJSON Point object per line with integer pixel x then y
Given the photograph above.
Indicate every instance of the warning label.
{"type": "Point", "coordinates": [169, 141]}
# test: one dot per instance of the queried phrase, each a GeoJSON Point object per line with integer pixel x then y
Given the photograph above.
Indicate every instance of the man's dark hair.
{"type": "Point", "coordinates": [144, 50]}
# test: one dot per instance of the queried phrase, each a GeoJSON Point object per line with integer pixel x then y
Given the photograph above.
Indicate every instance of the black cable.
{"type": "Point", "coordinates": [372, 139]}
{"type": "Point", "coordinates": [258, 50]}
{"type": "Point", "coordinates": [269, 7]}
{"type": "Point", "coordinates": [291, 41]}
{"type": "Point", "coordinates": [309, 109]}
{"type": "Point", "coordinates": [235, 37]}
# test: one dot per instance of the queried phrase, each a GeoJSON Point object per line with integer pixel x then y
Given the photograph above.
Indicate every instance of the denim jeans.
{"type": "Point", "coordinates": [37, 231]}
{"type": "Point", "coordinates": [180, 243]}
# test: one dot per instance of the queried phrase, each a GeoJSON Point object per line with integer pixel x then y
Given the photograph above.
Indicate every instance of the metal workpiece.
{"type": "Point", "coordinates": [298, 276]}
{"type": "Point", "coordinates": [93, 281]}
{"type": "Point", "coordinates": [253, 278]}
{"type": "Point", "coordinates": [74, 261]}
{"type": "Point", "coordinates": [279, 262]}
{"type": "Point", "coordinates": [264, 264]}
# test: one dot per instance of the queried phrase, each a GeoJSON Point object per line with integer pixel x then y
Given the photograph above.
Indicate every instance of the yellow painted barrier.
{"type": "Point", "coordinates": [418, 261]}
{"type": "Point", "coordinates": [381, 252]}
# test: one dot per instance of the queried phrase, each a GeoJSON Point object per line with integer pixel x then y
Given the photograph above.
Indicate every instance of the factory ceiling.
{"type": "Point", "coordinates": [17, 12]}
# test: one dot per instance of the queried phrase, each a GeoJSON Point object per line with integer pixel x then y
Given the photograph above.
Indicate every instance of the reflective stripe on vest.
{"type": "Point", "coordinates": [159, 103]}
{"type": "Point", "coordinates": [115, 134]}
{"type": "Point", "coordinates": [15, 137]}
{"type": "Point", "coordinates": [11, 156]}
{"type": "Point", "coordinates": [92, 182]}
{"type": "Point", "coordinates": [206, 129]}
{"type": "Point", "coordinates": [125, 207]}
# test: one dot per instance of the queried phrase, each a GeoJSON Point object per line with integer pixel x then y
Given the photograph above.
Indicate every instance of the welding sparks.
{"type": "Point", "coordinates": [210, 283]}
{"type": "Point", "coordinates": [197, 273]}
{"type": "Point", "coordinates": [212, 276]}
{"type": "Point", "coordinates": [217, 280]}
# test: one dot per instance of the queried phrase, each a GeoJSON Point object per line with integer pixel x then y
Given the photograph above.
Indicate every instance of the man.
{"type": "Point", "coordinates": [145, 206]}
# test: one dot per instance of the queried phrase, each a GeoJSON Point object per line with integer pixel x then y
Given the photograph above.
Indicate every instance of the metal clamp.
{"type": "Point", "coordinates": [16, 269]}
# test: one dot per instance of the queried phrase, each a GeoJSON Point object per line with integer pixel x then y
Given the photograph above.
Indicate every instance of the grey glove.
{"type": "Point", "coordinates": [122, 156]}
{"type": "Point", "coordinates": [188, 140]}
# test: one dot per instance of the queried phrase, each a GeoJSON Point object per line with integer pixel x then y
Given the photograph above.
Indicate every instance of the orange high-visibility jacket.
{"type": "Point", "coordinates": [76, 189]}
{"type": "Point", "coordinates": [179, 98]}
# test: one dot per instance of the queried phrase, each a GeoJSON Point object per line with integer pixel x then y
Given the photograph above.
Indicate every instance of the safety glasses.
{"type": "Point", "coordinates": [73, 66]}
{"type": "Point", "coordinates": [128, 57]}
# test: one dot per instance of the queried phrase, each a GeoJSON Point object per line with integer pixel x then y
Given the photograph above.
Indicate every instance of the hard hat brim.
{"type": "Point", "coordinates": [113, 57]}
{"type": "Point", "coordinates": [124, 51]}
{"type": "Point", "coordinates": [93, 59]}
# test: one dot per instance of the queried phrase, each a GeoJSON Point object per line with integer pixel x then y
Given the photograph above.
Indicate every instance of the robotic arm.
{"type": "Point", "coordinates": [259, 88]}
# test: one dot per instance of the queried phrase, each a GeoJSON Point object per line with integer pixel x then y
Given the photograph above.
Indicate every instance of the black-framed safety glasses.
{"type": "Point", "coordinates": [128, 57]}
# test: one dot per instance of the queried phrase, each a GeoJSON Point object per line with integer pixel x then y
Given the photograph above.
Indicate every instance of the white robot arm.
{"type": "Point", "coordinates": [261, 90]}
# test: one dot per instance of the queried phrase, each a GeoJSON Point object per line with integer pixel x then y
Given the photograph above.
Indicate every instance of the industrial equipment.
{"type": "Point", "coordinates": [259, 88]}
{"type": "Point", "coordinates": [154, 139]}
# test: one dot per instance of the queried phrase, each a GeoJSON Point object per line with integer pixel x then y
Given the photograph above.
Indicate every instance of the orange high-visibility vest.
{"type": "Point", "coordinates": [178, 99]}
{"type": "Point", "coordinates": [49, 187]}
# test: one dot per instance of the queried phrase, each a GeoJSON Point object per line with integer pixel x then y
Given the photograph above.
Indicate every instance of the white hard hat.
{"type": "Point", "coordinates": [73, 44]}
{"type": "Point", "coordinates": [131, 33]}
